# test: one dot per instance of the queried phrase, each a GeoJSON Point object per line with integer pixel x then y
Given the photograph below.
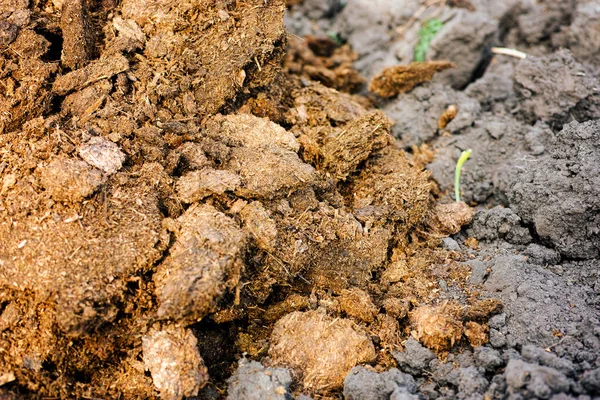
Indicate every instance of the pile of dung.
{"type": "Point", "coordinates": [167, 188]}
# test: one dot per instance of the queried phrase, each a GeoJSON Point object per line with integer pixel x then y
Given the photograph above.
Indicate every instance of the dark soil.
{"type": "Point", "coordinates": [196, 203]}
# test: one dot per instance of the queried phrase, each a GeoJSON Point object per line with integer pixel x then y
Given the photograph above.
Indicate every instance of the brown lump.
{"type": "Point", "coordinates": [77, 33]}
{"type": "Point", "coordinates": [438, 328]}
{"type": "Point", "coordinates": [203, 262]}
{"type": "Point", "coordinates": [357, 303]}
{"type": "Point", "coordinates": [171, 355]}
{"type": "Point", "coordinates": [322, 349]}
{"type": "Point", "coordinates": [70, 180]}
{"type": "Point", "coordinates": [403, 78]}
{"type": "Point", "coordinates": [476, 333]}
{"type": "Point", "coordinates": [447, 116]}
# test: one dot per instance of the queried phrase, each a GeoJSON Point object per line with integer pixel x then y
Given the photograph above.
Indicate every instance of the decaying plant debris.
{"type": "Point", "coordinates": [403, 78]}
{"type": "Point", "coordinates": [163, 177]}
{"type": "Point", "coordinates": [532, 125]}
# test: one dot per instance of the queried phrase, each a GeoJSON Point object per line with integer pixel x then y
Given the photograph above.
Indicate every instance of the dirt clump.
{"type": "Point", "coordinates": [438, 328]}
{"type": "Point", "coordinates": [389, 188]}
{"type": "Point", "coordinates": [252, 381]}
{"type": "Point", "coordinates": [362, 383]}
{"type": "Point", "coordinates": [196, 185]}
{"type": "Point", "coordinates": [256, 167]}
{"type": "Point", "coordinates": [171, 356]}
{"type": "Point", "coordinates": [403, 78]}
{"type": "Point", "coordinates": [249, 131]}
{"type": "Point", "coordinates": [329, 248]}
{"type": "Point", "coordinates": [566, 90]}
{"type": "Point", "coordinates": [77, 33]}
{"type": "Point", "coordinates": [415, 358]}
{"type": "Point", "coordinates": [262, 154]}
{"type": "Point", "coordinates": [70, 180]}
{"type": "Point", "coordinates": [417, 114]}
{"type": "Point", "coordinates": [337, 133]}
{"type": "Point", "coordinates": [205, 259]}
{"type": "Point", "coordinates": [342, 150]}
{"type": "Point", "coordinates": [499, 223]}
{"type": "Point", "coordinates": [358, 304]}
{"type": "Point", "coordinates": [572, 157]}
{"type": "Point", "coordinates": [450, 217]}
{"type": "Point", "coordinates": [325, 61]}
{"type": "Point", "coordinates": [322, 349]}
{"type": "Point", "coordinates": [533, 380]}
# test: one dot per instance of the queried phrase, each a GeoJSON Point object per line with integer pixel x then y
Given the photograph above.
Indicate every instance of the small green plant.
{"type": "Point", "coordinates": [461, 160]}
{"type": "Point", "coordinates": [335, 37]}
{"type": "Point", "coordinates": [426, 35]}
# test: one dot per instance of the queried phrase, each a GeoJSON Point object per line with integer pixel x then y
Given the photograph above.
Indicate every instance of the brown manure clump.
{"type": "Point", "coordinates": [403, 78]}
{"type": "Point", "coordinates": [324, 349]}
{"type": "Point", "coordinates": [174, 194]}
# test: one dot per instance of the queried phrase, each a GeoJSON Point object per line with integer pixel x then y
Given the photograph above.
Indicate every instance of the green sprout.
{"type": "Point", "coordinates": [426, 35]}
{"type": "Point", "coordinates": [335, 37]}
{"type": "Point", "coordinates": [461, 160]}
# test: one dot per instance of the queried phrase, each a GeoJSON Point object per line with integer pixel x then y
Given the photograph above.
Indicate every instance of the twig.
{"type": "Point", "coordinates": [257, 64]}
{"type": "Point", "coordinates": [420, 11]}
{"type": "Point", "coordinates": [549, 348]}
{"type": "Point", "coordinates": [509, 52]}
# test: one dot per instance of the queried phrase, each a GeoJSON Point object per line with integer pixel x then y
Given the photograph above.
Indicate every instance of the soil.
{"type": "Point", "coordinates": [201, 199]}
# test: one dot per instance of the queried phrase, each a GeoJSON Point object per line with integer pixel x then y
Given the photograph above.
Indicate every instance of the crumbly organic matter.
{"type": "Point", "coordinates": [177, 194]}
{"type": "Point", "coordinates": [403, 78]}
{"type": "Point", "coordinates": [531, 125]}
{"type": "Point", "coordinates": [321, 348]}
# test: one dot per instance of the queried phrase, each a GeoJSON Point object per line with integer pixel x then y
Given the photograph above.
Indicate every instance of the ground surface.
{"type": "Point", "coordinates": [196, 202]}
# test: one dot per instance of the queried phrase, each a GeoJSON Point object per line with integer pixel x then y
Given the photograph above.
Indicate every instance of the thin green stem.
{"type": "Point", "coordinates": [461, 160]}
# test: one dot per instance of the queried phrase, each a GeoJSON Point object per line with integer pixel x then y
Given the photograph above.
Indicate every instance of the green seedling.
{"type": "Point", "coordinates": [426, 35]}
{"type": "Point", "coordinates": [461, 160]}
{"type": "Point", "coordinates": [335, 37]}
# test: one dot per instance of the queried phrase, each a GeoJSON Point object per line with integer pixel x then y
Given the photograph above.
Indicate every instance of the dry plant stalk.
{"type": "Point", "coordinates": [403, 78]}
{"type": "Point", "coordinates": [509, 52]}
{"type": "Point", "coordinates": [417, 14]}
{"type": "Point", "coordinates": [462, 4]}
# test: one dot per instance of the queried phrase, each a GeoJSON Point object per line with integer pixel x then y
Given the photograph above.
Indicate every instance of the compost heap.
{"type": "Point", "coordinates": [172, 198]}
